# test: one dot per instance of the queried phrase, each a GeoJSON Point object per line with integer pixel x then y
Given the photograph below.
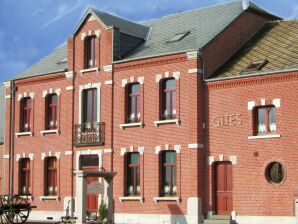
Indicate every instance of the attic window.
{"type": "Point", "coordinates": [255, 66]}
{"type": "Point", "coordinates": [178, 37]}
{"type": "Point", "coordinates": [62, 61]}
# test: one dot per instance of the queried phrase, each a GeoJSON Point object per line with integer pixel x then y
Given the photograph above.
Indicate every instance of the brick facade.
{"type": "Point", "coordinates": [194, 136]}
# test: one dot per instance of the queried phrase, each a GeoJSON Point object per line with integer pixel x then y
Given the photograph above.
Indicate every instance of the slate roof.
{"type": "Point", "coordinates": [204, 24]}
{"type": "Point", "coordinates": [2, 112]}
{"type": "Point", "coordinates": [277, 42]}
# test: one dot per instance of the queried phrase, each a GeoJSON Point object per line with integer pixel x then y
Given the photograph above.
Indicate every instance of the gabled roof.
{"type": "Point", "coordinates": [2, 112]}
{"type": "Point", "coordinates": [203, 25]}
{"type": "Point", "coordinates": [276, 43]}
{"type": "Point", "coordinates": [108, 20]}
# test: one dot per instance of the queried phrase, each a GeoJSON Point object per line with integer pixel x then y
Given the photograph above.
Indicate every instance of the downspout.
{"type": "Point", "coordinates": [11, 154]}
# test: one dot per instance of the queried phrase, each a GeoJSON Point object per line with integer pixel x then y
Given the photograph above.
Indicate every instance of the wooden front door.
{"type": "Point", "coordinates": [224, 188]}
{"type": "Point", "coordinates": [90, 163]}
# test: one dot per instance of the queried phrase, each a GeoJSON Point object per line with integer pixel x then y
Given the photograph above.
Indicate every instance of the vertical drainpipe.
{"type": "Point", "coordinates": [72, 126]}
{"type": "Point", "coordinates": [11, 154]}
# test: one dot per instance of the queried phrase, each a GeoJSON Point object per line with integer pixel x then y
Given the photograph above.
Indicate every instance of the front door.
{"type": "Point", "coordinates": [90, 163]}
{"type": "Point", "coordinates": [224, 188]}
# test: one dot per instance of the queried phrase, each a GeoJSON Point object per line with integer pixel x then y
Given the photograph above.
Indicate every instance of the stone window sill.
{"type": "Point", "coordinates": [127, 125]}
{"type": "Point", "coordinates": [43, 198]}
{"type": "Point", "coordinates": [50, 132]}
{"type": "Point", "coordinates": [95, 69]}
{"type": "Point", "coordinates": [177, 121]}
{"type": "Point", "coordinates": [264, 136]}
{"type": "Point", "coordinates": [158, 199]}
{"type": "Point", "coordinates": [18, 134]}
{"type": "Point", "coordinates": [131, 198]}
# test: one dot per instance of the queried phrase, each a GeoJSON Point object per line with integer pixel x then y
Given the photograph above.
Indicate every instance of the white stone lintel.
{"type": "Point", "coordinates": [210, 160]}
{"type": "Point", "coordinates": [68, 88]}
{"type": "Point", "coordinates": [69, 74]}
{"type": "Point", "coordinates": [276, 103]}
{"type": "Point", "coordinates": [196, 146]}
{"type": "Point", "coordinates": [251, 105]}
{"type": "Point", "coordinates": [109, 82]}
{"type": "Point", "coordinates": [108, 68]}
{"type": "Point", "coordinates": [192, 55]}
{"type": "Point", "coordinates": [68, 153]}
{"type": "Point", "coordinates": [233, 159]}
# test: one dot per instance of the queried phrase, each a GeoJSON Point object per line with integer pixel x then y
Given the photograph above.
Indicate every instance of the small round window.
{"type": "Point", "coordinates": [275, 173]}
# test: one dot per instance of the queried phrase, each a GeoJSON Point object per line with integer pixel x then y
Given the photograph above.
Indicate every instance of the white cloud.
{"type": "Point", "coordinates": [63, 10]}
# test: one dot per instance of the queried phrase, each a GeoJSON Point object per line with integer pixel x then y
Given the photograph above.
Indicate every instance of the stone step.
{"type": "Point", "coordinates": [221, 217]}
{"type": "Point", "coordinates": [217, 221]}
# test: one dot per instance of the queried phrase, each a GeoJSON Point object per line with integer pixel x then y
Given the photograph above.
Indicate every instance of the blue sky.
{"type": "Point", "coordinates": [30, 29]}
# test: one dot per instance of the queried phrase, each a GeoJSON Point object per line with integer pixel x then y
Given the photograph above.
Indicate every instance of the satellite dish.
{"type": "Point", "coordinates": [245, 4]}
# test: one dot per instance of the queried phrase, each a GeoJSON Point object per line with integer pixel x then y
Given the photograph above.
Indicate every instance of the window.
{"type": "Point", "coordinates": [51, 176]}
{"type": "Point", "coordinates": [89, 106]}
{"type": "Point", "coordinates": [132, 174]}
{"type": "Point", "coordinates": [25, 114]}
{"type": "Point", "coordinates": [168, 99]}
{"type": "Point", "coordinates": [178, 37]}
{"type": "Point", "coordinates": [275, 173]}
{"type": "Point", "coordinates": [51, 112]}
{"type": "Point", "coordinates": [255, 66]}
{"type": "Point", "coordinates": [168, 173]}
{"type": "Point", "coordinates": [90, 52]}
{"type": "Point", "coordinates": [265, 121]}
{"type": "Point", "coordinates": [25, 175]}
{"type": "Point", "coordinates": [133, 103]}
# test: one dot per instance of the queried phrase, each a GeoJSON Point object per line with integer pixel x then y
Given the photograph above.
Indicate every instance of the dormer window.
{"type": "Point", "coordinates": [178, 37]}
{"type": "Point", "coordinates": [90, 58]}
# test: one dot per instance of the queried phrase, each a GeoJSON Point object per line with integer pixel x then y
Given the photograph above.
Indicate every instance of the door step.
{"type": "Point", "coordinates": [218, 219]}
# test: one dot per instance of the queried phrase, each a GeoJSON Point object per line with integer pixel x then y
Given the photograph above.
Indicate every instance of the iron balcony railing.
{"type": "Point", "coordinates": [91, 133]}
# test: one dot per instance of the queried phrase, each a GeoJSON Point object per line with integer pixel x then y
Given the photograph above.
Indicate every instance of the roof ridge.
{"type": "Point", "coordinates": [193, 10]}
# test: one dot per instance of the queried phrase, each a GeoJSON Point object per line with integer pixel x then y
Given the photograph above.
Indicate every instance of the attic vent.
{"type": "Point", "coordinates": [178, 37]}
{"type": "Point", "coordinates": [255, 66]}
{"type": "Point", "coordinates": [62, 61]}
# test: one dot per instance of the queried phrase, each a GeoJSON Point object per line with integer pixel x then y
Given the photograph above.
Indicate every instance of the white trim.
{"type": "Point", "coordinates": [69, 88]}
{"type": "Point", "coordinates": [25, 155]}
{"type": "Point", "coordinates": [32, 95]}
{"type": "Point", "coordinates": [69, 74]}
{"type": "Point", "coordinates": [221, 157]}
{"type": "Point", "coordinates": [122, 151]}
{"type": "Point", "coordinates": [30, 197]}
{"type": "Point", "coordinates": [123, 82]}
{"type": "Point", "coordinates": [98, 152]}
{"type": "Point", "coordinates": [96, 69]}
{"type": "Point", "coordinates": [83, 36]}
{"type": "Point", "coordinates": [97, 33]}
{"type": "Point", "coordinates": [89, 86]}
{"type": "Point", "coordinates": [263, 102]}
{"type": "Point", "coordinates": [157, 199]}
{"type": "Point", "coordinates": [233, 160]}
{"type": "Point", "coordinates": [43, 198]}
{"type": "Point", "coordinates": [43, 132]}
{"type": "Point", "coordinates": [251, 105]}
{"type": "Point", "coordinates": [177, 121]}
{"type": "Point", "coordinates": [109, 82]}
{"type": "Point", "coordinates": [68, 153]}
{"type": "Point", "coordinates": [141, 80]}
{"type": "Point", "coordinates": [108, 68]}
{"type": "Point", "coordinates": [276, 102]}
{"type": "Point", "coordinates": [157, 149]}
{"type": "Point", "coordinates": [177, 148]}
{"type": "Point", "coordinates": [107, 150]}
{"type": "Point", "coordinates": [50, 154]}
{"type": "Point", "coordinates": [210, 160]}
{"type": "Point", "coordinates": [192, 55]}
{"type": "Point", "coordinates": [138, 124]}
{"type": "Point", "coordinates": [192, 70]}
{"type": "Point", "coordinates": [6, 156]}
{"type": "Point", "coordinates": [141, 150]}
{"type": "Point", "coordinates": [8, 97]}
{"type": "Point", "coordinates": [264, 136]}
{"type": "Point", "coordinates": [158, 77]}
{"type": "Point", "coordinates": [7, 84]}
{"type": "Point", "coordinates": [24, 134]}
{"type": "Point", "coordinates": [176, 75]}
{"type": "Point", "coordinates": [50, 91]}
{"type": "Point", "coordinates": [196, 146]}
{"type": "Point", "coordinates": [141, 199]}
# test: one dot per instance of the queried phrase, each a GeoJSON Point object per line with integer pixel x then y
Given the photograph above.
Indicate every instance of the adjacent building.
{"type": "Point", "coordinates": [194, 112]}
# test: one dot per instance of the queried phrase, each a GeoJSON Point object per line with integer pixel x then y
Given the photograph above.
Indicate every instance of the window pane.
{"type": "Point", "coordinates": [272, 119]}
{"type": "Point", "coordinates": [89, 160]}
{"type": "Point", "coordinates": [134, 158]}
{"type": "Point", "coordinates": [135, 88]}
{"type": "Point", "coordinates": [170, 157]}
{"type": "Point", "coordinates": [94, 92]}
{"type": "Point", "coordinates": [261, 120]}
{"type": "Point", "coordinates": [90, 105]}
{"type": "Point", "coordinates": [171, 84]}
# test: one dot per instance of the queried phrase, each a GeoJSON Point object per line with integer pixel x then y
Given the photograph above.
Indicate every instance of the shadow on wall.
{"type": "Point", "coordinates": [174, 218]}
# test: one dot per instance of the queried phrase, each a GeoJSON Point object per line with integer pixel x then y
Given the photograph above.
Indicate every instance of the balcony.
{"type": "Point", "coordinates": [89, 134]}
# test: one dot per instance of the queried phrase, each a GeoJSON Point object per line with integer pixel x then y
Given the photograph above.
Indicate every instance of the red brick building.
{"type": "Point", "coordinates": [190, 111]}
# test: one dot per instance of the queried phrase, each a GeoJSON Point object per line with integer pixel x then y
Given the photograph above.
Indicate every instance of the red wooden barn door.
{"type": "Point", "coordinates": [224, 188]}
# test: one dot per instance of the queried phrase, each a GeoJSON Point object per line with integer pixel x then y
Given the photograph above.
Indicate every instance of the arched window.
{"type": "Point", "coordinates": [25, 175]}
{"type": "Point", "coordinates": [51, 111]}
{"type": "Point", "coordinates": [132, 170]}
{"type": "Point", "coordinates": [25, 114]}
{"type": "Point", "coordinates": [168, 173]}
{"type": "Point", "coordinates": [168, 99]}
{"type": "Point", "coordinates": [265, 119]}
{"type": "Point", "coordinates": [133, 113]}
{"type": "Point", "coordinates": [51, 186]}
